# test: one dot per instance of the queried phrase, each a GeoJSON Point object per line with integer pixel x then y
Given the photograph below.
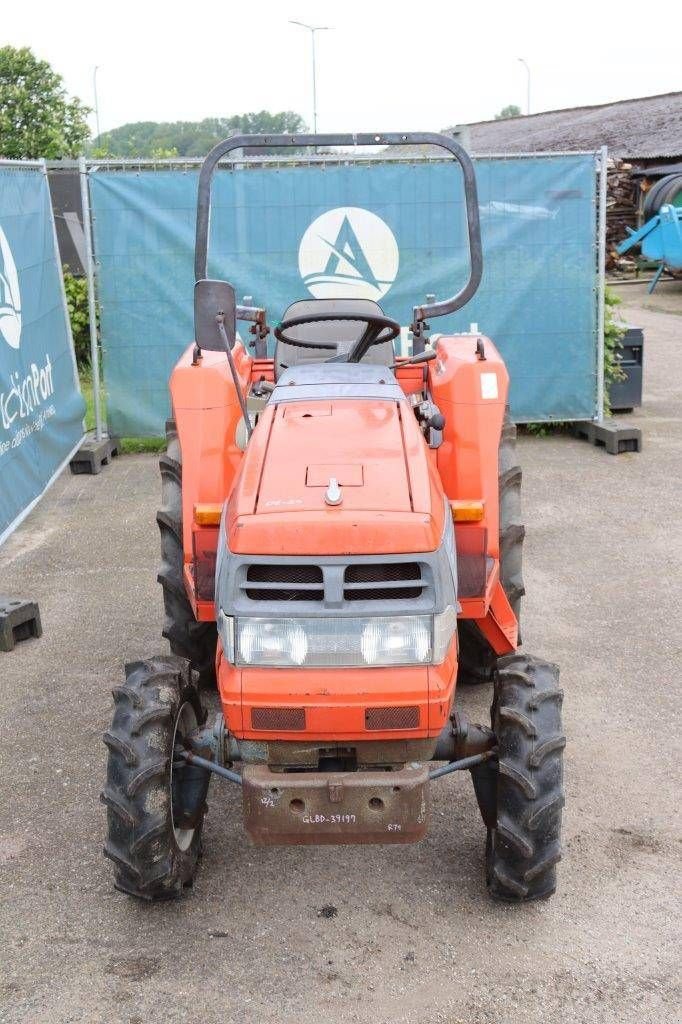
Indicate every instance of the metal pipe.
{"type": "Point", "coordinates": [465, 762]}
{"type": "Point", "coordinates": [94, 89]}
{"type": "Point", "coordinates": [312, 29]}
{"type": "Point", "coordinates": [601, 281]}
{"type": "Point", "coordinates": [210, 766]}
{"type": "Point", "coordinates": [522, 61]}
{"type": "Point", "coordinates": [92, 306]}
{"type": "Point", "coordinates": [235, 376]}
{"type": "Point", "coordinates": [330, 158]}
{"type": "Point", "coordinates": [435, 773]}
{"type": "Point", "coordinates": [25, 165]}
{"type": "Point", "coordinates": [312, 40]}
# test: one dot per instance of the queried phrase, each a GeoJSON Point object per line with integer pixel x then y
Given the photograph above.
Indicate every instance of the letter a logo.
{"type": "Point", "coordinates": [348, 253]}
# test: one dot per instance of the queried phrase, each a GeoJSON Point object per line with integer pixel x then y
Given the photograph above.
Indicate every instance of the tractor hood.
{"type": "Point", "coordinates": [390, 499]}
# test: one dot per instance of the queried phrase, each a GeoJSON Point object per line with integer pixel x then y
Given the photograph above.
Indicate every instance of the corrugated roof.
{"type": "Point", "coordinates": [645, 128]}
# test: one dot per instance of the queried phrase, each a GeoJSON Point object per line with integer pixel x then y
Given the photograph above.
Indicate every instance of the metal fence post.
{"type": "Point", "coordinates": [92, 306]}
{"type": "Point", "coordinates": [601, 281]}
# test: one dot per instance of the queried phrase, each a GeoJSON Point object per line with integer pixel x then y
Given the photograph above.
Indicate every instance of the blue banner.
{"type": "Point", "coordinates": [41, 409]}
{"type": "Point", "coordinates": [392, 232]}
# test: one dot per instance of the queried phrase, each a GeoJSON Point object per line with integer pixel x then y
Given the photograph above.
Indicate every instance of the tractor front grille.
{"type": "Point", "coordinates": [383, 581]}
{"type": "Point", "coordinates": [398, 585]}
{"type": "Point", "coordinates": [284, 583]}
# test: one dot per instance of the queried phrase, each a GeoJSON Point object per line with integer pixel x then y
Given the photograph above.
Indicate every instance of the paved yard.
{"type": "Point", "coordinates": [414, 938]}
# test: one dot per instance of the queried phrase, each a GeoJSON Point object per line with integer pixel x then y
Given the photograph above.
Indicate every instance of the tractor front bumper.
{"type": "Point", "coordinates": [311, 808]}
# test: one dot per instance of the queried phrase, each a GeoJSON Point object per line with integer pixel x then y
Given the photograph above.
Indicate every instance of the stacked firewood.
{"type": "Point", "coordinates": [622, 198]}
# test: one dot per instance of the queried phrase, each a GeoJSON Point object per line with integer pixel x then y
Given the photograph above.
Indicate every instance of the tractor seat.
{"type": "Point", "coordinates": [344, 331]}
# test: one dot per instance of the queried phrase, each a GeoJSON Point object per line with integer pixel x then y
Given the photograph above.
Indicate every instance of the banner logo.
{"type": "Point", "coordinates": [348, 253]}
{"type": "Point", "coordinates": [10, 301]}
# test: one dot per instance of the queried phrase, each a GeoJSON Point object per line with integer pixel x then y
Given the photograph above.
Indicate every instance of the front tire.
{"type": "Point", "coordinates": [153, 846]}
{"type": "Point", "coordinates": [524, 846]}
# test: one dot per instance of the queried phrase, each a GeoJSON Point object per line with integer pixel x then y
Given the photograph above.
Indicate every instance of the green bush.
{"type": "Point", "coordinates": [76, 289]}
{"type": "Point", "coordinates": [614, 329]}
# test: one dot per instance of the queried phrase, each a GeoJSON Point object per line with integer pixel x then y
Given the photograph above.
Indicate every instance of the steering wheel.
{"type": "Point", "coordinates": [378, 329]}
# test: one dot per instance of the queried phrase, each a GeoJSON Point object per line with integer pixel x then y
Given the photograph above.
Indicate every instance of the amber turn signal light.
{"type": "Point", "coordinates": [467, 511]}
{"type": "Point", "coordinates": [208, 515]}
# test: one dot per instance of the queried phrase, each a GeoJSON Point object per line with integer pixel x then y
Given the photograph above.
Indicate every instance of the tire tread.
{"type": "Point", "coordinates": [140, 838]}
{"type": "Point", "coordinates": [524, 847]}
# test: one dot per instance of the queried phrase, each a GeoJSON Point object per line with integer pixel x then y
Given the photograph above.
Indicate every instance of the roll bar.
{"type": "Point", "coordinates": [363, 139]}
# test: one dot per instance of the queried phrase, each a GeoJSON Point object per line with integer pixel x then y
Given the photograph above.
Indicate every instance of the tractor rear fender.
{"type": "Point", "coordinates": [206, 411]}
{"type": "Point", "coordinates": [470, 384]}
{"type": "Point", "coordinates": [471, 392]}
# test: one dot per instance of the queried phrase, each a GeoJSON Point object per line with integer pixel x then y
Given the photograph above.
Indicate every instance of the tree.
{"type": "Point", "coordinates": [37, 118]}
{"type": "Point", "coordinates": [511, 110]}
{"type": "Point", "coordinates": [192, 138]}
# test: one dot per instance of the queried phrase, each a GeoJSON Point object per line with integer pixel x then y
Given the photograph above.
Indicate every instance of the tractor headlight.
{"type": "Point", "coordinates": [334, 642]}
{"type": "Point", "coordinates": [444, 628]}
{"type": "Point", "coordinates": [448, 543]}
{"type": "Point", "coordinates": [404, 641]}
{"type": "Point", "coordinates": [271, 642]}
{"type": "Point", "coordinates": [225, 626]}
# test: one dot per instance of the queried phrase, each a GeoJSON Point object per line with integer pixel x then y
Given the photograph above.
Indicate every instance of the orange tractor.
{"type": "Point", "coordinates": [341, 544]}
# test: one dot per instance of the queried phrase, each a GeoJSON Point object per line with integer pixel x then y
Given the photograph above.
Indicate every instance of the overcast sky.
{"type": "Point", "coordinates": [385, 66]}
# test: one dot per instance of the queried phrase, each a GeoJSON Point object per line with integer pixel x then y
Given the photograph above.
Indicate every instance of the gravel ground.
{"type": "Point", "coordinates": [362, 934]}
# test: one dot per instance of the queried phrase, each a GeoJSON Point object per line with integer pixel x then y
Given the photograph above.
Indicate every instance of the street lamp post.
{"type": "Point", "coordinates": [522, 61]}
{"type": "Point", "coordinates": [94, 89]}
{"type": "Point", "coordinates": [313, 29]}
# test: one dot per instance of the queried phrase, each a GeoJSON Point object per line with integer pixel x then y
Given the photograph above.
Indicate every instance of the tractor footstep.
{"type": "Point", "coordinates": [616, 437]}
{"type": "Point", "coordinates": [19, 620]}
{"type": "Point", "coordinates": [94, 454]}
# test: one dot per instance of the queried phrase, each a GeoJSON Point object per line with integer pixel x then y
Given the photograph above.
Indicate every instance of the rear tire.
{"type": "Point", "coordinates": [524, 847]}
{"type": "Point", "coordinates": [476, 657]}
{"type": "Point", "coordinates": [154, 856]}
{"type": "Point", "coordinates": [188, 638]}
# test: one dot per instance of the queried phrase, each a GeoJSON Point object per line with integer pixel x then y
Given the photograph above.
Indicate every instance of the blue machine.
{"type": "Point", "coordinates": [661, 240]}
